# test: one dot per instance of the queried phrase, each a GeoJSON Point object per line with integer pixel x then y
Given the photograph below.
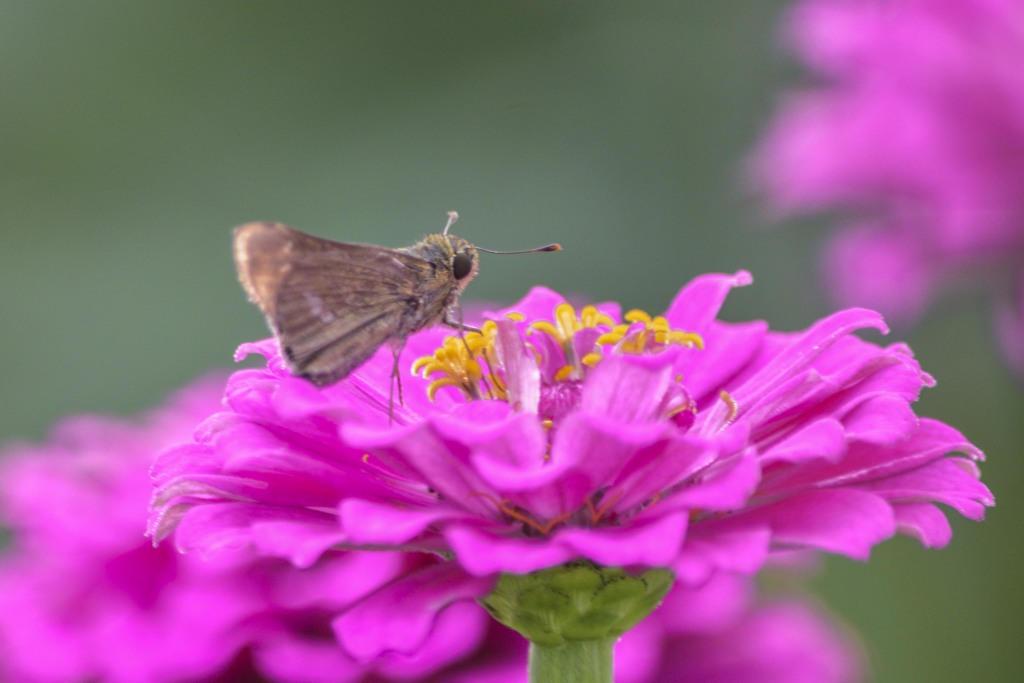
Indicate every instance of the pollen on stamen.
{"type": "Point", "coordinates": [564, 373]}
{"type": "Point", "coordinates": [567, 322]}
{"type": "Point", "coordinates": [733, 407]}
{"type": "Point", "coordinates": [456, 361]}
{"type": "Point", "coordinates": [637, 316]}
{"type": "Point", "coordinates": [645, 333]}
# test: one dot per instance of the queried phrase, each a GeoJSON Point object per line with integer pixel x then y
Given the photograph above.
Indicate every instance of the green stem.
{"type": "Point", "coordinates": [578, 661]}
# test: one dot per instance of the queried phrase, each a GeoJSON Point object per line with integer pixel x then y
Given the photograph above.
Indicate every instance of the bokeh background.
{"type": "Point", "coordinates": [134, 136]}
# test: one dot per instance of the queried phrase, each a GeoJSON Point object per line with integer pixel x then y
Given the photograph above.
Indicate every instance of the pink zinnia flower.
{"type": "Point", "coordinates": [914, 131]}
{"type": "Point", "coordinates": [85, 596]}
{"type": "Point", "coordinates": [677, 441]}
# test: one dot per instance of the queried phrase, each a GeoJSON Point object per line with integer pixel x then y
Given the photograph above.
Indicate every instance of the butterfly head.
{"type": "Point", "coordinates": [465, 262]}
{"type": "Point", "coordinates": [450, 254]}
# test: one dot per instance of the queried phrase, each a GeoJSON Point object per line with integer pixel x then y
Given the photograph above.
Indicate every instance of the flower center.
{"type": "Point", "coordinates": [541, 366]}
{"type": "Point", "coordinates": [563, 351]}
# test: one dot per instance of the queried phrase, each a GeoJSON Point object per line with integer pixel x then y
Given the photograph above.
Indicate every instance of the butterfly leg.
{"type": "Point", "coordinates": [456, 322]}
{"type": "Point", "coordinates": [463, 328]}
{"type": "Point", "coordinates": [396, 378]}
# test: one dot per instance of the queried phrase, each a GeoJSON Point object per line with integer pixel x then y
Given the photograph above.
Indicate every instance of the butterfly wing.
{"type": "Point", "coordinates": [330, 304]}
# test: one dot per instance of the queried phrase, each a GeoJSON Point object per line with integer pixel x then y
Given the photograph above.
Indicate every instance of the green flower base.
{"type": "Point", "coordinates": [573, 614]}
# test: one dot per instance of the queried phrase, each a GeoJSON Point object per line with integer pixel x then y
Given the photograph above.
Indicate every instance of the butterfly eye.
{"type": "Point", "coordinates": [462, 265]}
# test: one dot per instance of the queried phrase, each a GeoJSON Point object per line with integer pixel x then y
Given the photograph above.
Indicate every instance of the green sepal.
{"type": "Point", "coordinates": [576, 601]}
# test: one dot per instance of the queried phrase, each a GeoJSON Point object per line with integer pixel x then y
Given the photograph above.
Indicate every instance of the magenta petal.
{"type": "Point", "coordinates": [400, 616]}
{"type": "Point", "coordinates": [820, 440]}
{"type": "Point", "coordinates": [842, 521]}
{"type": "Point", "coordinates": [369, 523]}
{"type": "Point", "coordinates": [708, 549]}
{"type": "Point", "coordinates": [697, 305]}
{"type": "Point", "coordinates": [796, 356]}
{"type": "Point", "coordinates": [869, 462]}
{"type": "Point", "coordinates": [628, 388]}
{"type": "Point", "coordinates": [654, 544]}
{"type": "Point", "coordinates": [521, 372]}
{"type": "Point", "coordinates": [728, 348]}
{"type": "Point", "coordinates": [290, 659]}
{"type": "Point", "coordinates": [882, 419]}
{"type": "Point", "coordinates": [727, 488]}
{"type": "Point", "coordinates": [539, 303]}
{"type": "Point", "coordinates": [597, 448]}
{"type": "Point", "coordinates": [210, 528]}
{"type": "Point", "coordinates": [651, 544]}
{"type": "Point", "coordinates": [953, 481]}
{"type": "Point", "coordinates": [713, 606]}
{"type": "Point", "coordinates": [268, 348]}
{"type": "Point", "coordinates": [295, 539]}
{"type": "Point", "coordinates": [424, 455]}
{"type": "Point", "coordinates": [485, 554]}
{"type": "Point", "coordinates": [662, 465]}
{"type": "Point", "coordinates": [456, 634]}
{"type": "Point", "coordinates": [924, 522]}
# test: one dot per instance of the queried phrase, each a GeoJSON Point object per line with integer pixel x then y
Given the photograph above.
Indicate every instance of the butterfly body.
{"type": "Point", "coordinates": [331, 305]}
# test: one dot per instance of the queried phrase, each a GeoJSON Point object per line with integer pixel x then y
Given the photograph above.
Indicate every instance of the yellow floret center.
{"type": "Point", "coordinates": [655, 333]}
{"type": "Point", "coordinates": [457, 361]}
{"type": "Point", "coordinates": [470, 363]}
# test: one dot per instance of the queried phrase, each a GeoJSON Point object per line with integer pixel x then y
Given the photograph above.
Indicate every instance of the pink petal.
{"type": "Point", "coordinates": [841, 521]}
{"type": "Point", "coordinates": [711, 546]}
{"type": "Point", "coordinates": [368, 523]}
{"type": "Point", "coordinates": [654, 544]}
{"type": "Point", "coordinates": [924, 522]}
{"type": "Point", "coordinates": [401, 616]}
{"type": "Point", "coordinates": [697, 305]}
{"type": "Point", "coordinates": [727, 487]}
{"type": "Point", "coordinates": [295, 533]}
{"type": "Point", "coordinates": [820, 440]}
{"type": "Point", "coordinates": [484, 554]}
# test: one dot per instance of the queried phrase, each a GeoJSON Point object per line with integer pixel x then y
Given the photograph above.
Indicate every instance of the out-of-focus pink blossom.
{"type": "Point", "coordinates": [913, 132]}
{"type": "Point", "coordinates": [85, 596]}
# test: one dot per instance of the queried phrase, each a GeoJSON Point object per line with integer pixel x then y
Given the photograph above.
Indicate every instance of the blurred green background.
{"type": "Point", "coordinates": [136, 135]}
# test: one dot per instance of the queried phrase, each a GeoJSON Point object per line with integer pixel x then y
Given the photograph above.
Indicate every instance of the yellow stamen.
{"type": "Point", "coordinates": [645, 334]}
{"type": "Point", "coordinates": [563, 373]}
{"type": "Point", "coordinates": [470, 362]}
{"type": "Point", "coordinates": [637, 316]}
{"type": "Point", "coordinates": [681, 408]}
{"type": "Point", "coordinates": [545, 327]}
{"type": "Point", "coordinates": [437, 384]}
{"type": "Point", "coordinates": [456, 361]}
{"type": "Point", "coordinates": [731, 404]}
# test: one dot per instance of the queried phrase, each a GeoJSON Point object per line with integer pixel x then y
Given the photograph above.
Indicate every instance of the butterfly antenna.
{"type": "Point", "coordinates": [547, 247]}
{"type": "Point", "coordinates": [452, 217]}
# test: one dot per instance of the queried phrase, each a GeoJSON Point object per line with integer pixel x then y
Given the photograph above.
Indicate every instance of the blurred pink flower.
{"type": "Point", "coordinates": [676, 441]}
{"type": "Point", "coordinates": [914, 132]}
{"type": "Point", "coordinates": [84, 595]}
